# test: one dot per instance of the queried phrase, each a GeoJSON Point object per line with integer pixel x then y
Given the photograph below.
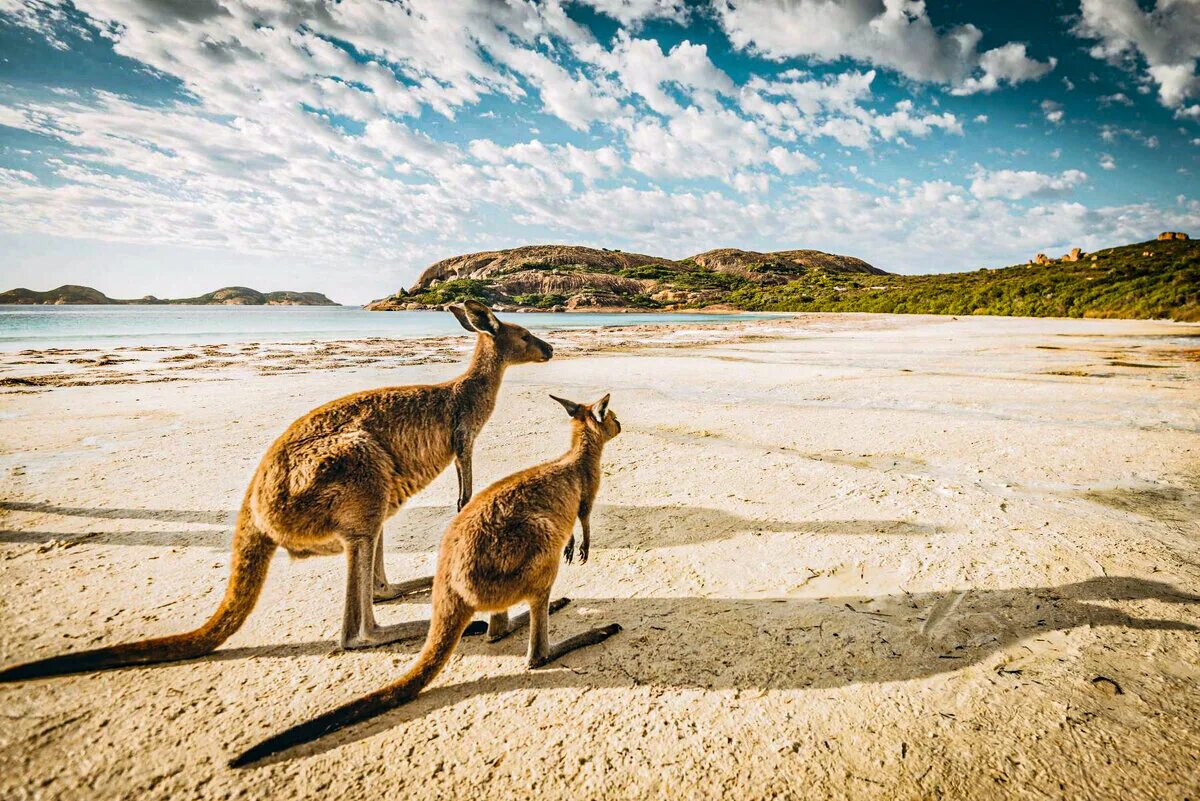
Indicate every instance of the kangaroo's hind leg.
{"type": "Point", "coordinates": [500, 625]}
{"type": "Point", "coordinates": [383, 590]}
{"type": "Point", "coordinates": [542, 652]}
{"type": "Point", "coordinates": [359, 629]}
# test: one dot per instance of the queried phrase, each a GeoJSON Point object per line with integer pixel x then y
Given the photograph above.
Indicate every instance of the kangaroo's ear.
{"type": "Point", "coordinates": [600, 407]}
{"type": "Point", "coordinates": [572, 407]}
{"type": "Point", "coordinates": [461, 314]}
{"type": "Point", "coordinates": [481, 317]}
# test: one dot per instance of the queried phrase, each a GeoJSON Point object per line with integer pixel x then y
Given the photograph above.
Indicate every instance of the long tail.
{"type": "Point", "coordinates": [450, 617]}
{"type": "Point", "coordinates": [252, 551]}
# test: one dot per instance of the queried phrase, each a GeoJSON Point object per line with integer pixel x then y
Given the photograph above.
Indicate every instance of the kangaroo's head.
{"type": "Point", "coordinates": [595, 417]}
{"type": "Point", "coordinates": [514, 345]}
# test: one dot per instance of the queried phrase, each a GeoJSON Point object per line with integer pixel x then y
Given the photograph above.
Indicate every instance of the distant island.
{"type": "Point", "coordinates": [70, 294]}
{"type": "Point", "coordinates": [1158, 279]}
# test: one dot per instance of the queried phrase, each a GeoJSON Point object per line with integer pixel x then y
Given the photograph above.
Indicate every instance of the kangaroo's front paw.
{"type": "Point", "coordinates": [569, 551]}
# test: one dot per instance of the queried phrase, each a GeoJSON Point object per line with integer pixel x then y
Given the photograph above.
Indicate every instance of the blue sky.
{"type": "Point", "coordinates": [170, 147]}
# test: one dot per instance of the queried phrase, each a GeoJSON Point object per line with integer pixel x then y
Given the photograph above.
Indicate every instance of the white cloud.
{"type": "Point", "coordinates": [1053, 111]}
{"type": "Point", "coordinates": [1166, 37]}
{"type": "Point", "coordinates": [790, 162]}
{"type": "Point", "coordinates": [644, 70]}
{"type": "Point", "coordinates": [902, 121]}
{"type": "Point", "coordinates": [1110, 133]}
{"type": "Point", "coordinates": [1107, 162]}
{"type": "Point", "coordinates": [794, 105]}
{"type": "Point", "coordinates": [1007, 64]}
{"type": "Point", "coordinates": [751, 183]}
{"type": "Point", "coordinates": [1021, 184]}
{"type": "Point", "coordinates": [592, 165]}
{"type": "Point", "coordinates": [896, 34]}
{"type": "Point", "coordinates": [697, 144]}
{"type": "Point", "coordinates": [632, 12]}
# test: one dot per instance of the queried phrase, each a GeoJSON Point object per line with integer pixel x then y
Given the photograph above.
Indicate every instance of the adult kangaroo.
{"type": "Point", "coordinates": [328, 484]}
{"type": "Point", "coordinates": [501, 549]}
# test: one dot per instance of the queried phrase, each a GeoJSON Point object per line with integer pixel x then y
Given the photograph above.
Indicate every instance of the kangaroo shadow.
{"type": "Point", "coordinates": [789, 643]}
{"type": "Point", "coordinates": [184, 538]}
{"type": "Point", "coordinates": [419, 529]}
{"type": "Point", "coordinates": [169, 515]}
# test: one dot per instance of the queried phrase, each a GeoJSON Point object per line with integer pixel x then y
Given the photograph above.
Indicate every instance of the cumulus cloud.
{"type": "Point", "coordinates": [796, 106]}
{"type": "Point", "coordinates": [1022, 184]}
{"type": "Point", "coordinates": [1007, 64]}
{"type": "Point", "coordinates": [697, 144]}
{"type": "Point", "coordinates": [646, 71]}
{"type": "Point", "coordinates": [895, 34]}
{"type": "Point", "coordinates": [633, 12]}
{"type": "Point", "coordinates": [1053, 111]}
{"type": "Point", "coordinates": [1165, 38]}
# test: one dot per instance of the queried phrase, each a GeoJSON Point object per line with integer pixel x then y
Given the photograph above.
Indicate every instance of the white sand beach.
{"type": "Point", "coordinates": [854, 556]}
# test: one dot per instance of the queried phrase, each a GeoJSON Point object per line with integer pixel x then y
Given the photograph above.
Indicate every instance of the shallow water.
{"type": "Point", "coordinates": [106, 326]}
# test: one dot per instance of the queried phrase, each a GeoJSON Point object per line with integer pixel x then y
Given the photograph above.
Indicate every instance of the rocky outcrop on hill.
{"type": "Point", "coordinates": [779, 266]}
{"type": "Point", "coordinates": [71, 294]}
{"type": "Point", "coordinates": [570, 277]}
{"type": "Point", "coordinates": [1165, 235]}
{"type": "Point", "coordinates": [495, 263]}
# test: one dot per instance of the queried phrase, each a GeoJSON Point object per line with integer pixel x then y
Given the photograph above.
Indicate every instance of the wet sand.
{"type": "Point", "coordinates": [855, 556]}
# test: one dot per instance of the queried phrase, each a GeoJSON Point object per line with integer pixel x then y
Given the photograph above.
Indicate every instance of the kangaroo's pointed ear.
{"type": "Point", "coordinates": [600, 407]}
{"type": "Point", "coordinates": [481, 317]}
{"type": "Point", "coordinates": [461, 314]}
{"type": "Point", "coordinates": [572, 407]}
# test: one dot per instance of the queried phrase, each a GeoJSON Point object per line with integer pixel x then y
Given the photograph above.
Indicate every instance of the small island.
{"type": "Point", "coordinates": [72, 294]}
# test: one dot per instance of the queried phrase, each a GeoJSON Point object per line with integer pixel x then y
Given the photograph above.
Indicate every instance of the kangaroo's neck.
{"type": "Point", "coordinates": [475, 390]}
{"type": "Point", "coordinates": [584, 457]}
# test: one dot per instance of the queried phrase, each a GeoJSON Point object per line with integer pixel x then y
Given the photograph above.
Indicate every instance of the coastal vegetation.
{"type": "Point", "coordinates": [1155, 279]}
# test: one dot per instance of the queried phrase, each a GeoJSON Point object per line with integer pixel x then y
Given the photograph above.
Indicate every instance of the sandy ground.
{"type": "Point", "coordinates": [855, 557]}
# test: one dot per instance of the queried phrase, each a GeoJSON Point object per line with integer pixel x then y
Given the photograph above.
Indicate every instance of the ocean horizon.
{"type": "Point", "coordinates": [41, 327]}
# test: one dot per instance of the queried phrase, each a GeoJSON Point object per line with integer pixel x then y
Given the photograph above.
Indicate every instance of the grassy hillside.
{"type": "Point", "coordinates": [1155, 279]}
{"type": "Point", "coordinates": [1147, 280]}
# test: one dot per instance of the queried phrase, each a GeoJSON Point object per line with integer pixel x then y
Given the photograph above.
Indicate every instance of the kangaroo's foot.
{"type": "Point", "coordinates": [382, 635]}
{"type": "Point", "coordinates": [581, 640]}
{"type": "Point", "coordinates": [385, 591]}
{"type": "Point", "coordinates": [501, 626]}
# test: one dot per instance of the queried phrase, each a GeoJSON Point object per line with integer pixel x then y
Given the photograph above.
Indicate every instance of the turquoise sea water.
{"type": "Point", "coordinates": [111, 326]}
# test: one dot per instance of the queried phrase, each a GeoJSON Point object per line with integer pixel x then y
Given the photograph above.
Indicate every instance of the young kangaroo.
{"type": "Point", "coordinates": [500, 550]}
{"type": "Point", "coordinates": [328, 484]}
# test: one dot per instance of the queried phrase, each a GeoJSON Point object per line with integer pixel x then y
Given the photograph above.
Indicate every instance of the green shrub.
{"type": "Point", "coordinates": [540, 301]}
{"type": "Point", "coordinates": [456, 291]}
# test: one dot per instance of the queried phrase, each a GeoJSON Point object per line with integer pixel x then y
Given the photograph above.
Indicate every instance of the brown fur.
{"type": "Point", "coordinates": [502, 549]}
{"type": "Point", "coordinates": [328, 484]}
